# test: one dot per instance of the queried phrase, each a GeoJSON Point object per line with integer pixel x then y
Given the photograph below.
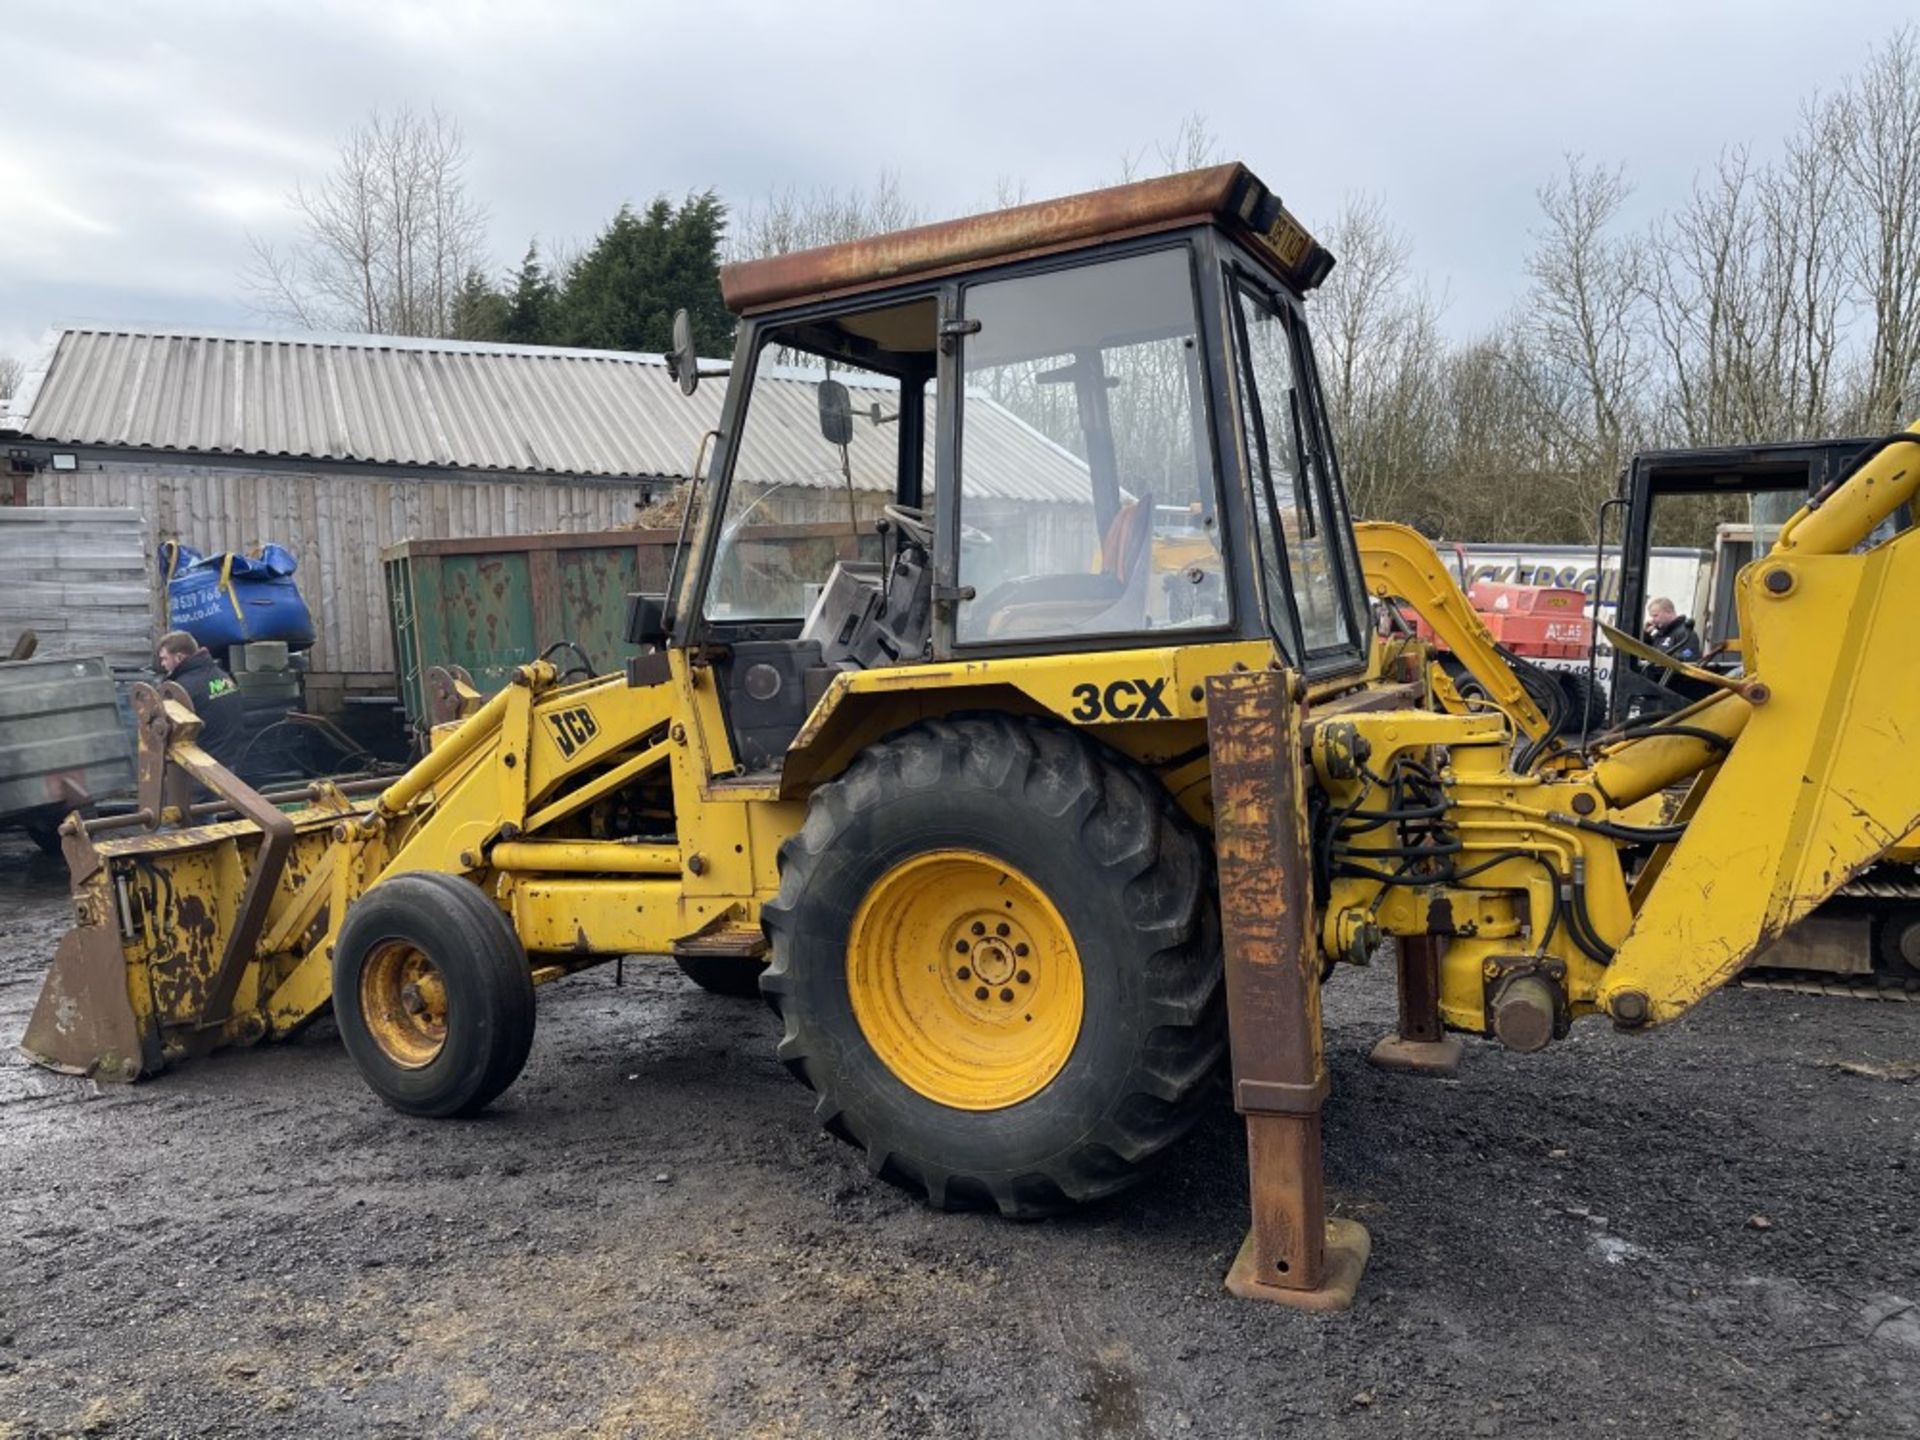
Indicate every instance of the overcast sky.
{"type": "Point", "coordinates": [141, 142]}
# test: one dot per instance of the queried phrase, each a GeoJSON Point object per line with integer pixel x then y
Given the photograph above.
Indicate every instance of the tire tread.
{"type": "Point", "coordinates": [1162, 868]}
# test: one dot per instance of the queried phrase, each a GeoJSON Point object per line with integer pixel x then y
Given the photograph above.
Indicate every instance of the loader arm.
{"type": "Point", "coordinates": [191, 936]}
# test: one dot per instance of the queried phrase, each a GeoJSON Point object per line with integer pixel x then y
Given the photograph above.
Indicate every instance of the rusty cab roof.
{"type": "Point", "coordinates": [1230, 196]}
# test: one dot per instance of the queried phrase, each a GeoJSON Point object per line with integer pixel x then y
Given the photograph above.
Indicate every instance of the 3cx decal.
{"type": "Point", "coordinates": [1122, 700]}
{"type": "Point", "coordinates": [573, 728]}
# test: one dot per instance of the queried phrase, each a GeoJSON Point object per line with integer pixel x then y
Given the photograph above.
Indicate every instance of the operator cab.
{"type": "Point", "coordinates": [1087, 425]}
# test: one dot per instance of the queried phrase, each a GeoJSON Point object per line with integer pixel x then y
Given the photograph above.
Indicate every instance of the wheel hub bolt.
{"type": "Point", "coordinates": [1025, 977]}
{"type": "Point", "coordinates": [964, 973]}
{"type": "Point", "coordinates": [411, 1000]}
{"type": "Point", "coordinates": [979, 928]}
{"type": "Point", "coordinates": [980, 992]}
{"type": "Point", "coordinates": [1006, 994]}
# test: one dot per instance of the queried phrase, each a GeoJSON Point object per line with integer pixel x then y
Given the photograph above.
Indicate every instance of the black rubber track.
{"type": "Point", "coordinates": [1132, 878]}
{"type": "Point", "coordinates": [1889, 958]}
{"type": "Point", "coordinates": [490, 1005]}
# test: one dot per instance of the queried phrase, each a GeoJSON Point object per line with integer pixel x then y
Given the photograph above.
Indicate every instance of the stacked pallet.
{"type": "Point", "coordinates": [81, 579]}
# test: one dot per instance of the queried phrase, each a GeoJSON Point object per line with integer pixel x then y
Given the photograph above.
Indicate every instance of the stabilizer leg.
{"type": "Point", "coordinates": [1420, 1046]}
{"type": "Point", "coordinates": [1293, 1254]}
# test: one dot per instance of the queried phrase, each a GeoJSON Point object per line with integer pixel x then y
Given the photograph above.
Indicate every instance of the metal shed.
{"type": "Point", "coordinates": [337, 446]}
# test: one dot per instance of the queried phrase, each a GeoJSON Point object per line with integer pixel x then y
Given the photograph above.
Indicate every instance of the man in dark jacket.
{"type": "Point", "coordinates": [216, 699]}
{"type": "Point", "coordinates": [1671, 633]}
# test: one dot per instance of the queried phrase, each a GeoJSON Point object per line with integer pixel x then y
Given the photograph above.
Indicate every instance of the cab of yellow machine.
{"type": "Point", "coordinates": [1122, 446]}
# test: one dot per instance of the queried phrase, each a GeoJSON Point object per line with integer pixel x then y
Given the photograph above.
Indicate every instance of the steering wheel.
{"type": "Point", "coordinates": [913, 520]}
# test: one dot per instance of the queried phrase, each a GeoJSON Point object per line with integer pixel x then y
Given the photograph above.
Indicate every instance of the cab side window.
{"type": "Point", "coordinates": [1303, 548]}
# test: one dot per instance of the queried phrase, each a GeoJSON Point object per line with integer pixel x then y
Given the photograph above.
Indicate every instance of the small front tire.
{"type": "Point", "coordinates": [735, 976]}
{"type": "Point", "coordinates": [432, 994]}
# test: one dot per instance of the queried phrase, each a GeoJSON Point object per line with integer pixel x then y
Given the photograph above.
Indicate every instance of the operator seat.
{"type": "Point", "coordinates": [1114, 600]}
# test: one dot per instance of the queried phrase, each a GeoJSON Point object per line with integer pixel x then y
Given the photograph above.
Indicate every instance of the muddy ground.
{"type": "Point", "coordinates": [648, 1238]}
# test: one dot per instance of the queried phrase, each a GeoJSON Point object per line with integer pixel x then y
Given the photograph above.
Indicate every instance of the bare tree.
{"type": "Point", "coordinates": [1876, 145]}
{"type": "Point", "coordinates": [1808, 232]}
{"type": "Point", "coordinates": [389, 234]}
{"type": "Point", "coordinates": [1358, 306]}
{"type": "Point", "coordinates": [12, 372]}
{"type": "Point", "coordinates": [1745, 288]}
{"type": "Point", "coordinates": [1710, 313]}
{"type": "Point", "coordinates": [1583, 316]}
{"type": "Point", "coordinates": [1008, 191]}
{"type": "Point", "coordinates": [783, 221]}
{"type": "Point", "coordinates": [1192, 146]}
{"type": "Point", "coordinates": [1378, 337]}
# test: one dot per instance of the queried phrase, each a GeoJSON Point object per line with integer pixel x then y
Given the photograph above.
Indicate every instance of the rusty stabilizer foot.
{"type": "Point", "coordinates": [1293, 1254]}
{"type": "Point", "coordinates": [1346, 1249]}
{"type": "Point", "coordinates": [1421, 1046]}
{"type": "Point", "coordinates": [1418, 1057]}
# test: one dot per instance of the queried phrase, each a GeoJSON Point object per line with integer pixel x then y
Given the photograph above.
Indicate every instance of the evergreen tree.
{"type": "Point", "coordinates": [479, 311]}
{"type": "Point", "coordinates": [531, 302]}
{"type": "Point", "coordinates": [623, 292]}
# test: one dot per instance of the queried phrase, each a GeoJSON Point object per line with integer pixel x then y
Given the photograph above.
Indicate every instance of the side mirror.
{"type": "Point", "coordinates": [836, 413]}
{"type": "Point", "coordinates": [647, 620]}
{"type": "Point", "coordinates": [682, 363]}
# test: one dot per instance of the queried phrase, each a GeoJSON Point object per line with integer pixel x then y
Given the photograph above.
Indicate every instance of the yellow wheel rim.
{"type": "Point", "coordinates": [965, 980]}
{"type": "Point", "coordinates": [404, 1003]}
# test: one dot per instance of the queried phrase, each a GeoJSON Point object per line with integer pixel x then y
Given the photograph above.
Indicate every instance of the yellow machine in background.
{"type": "Point", "coordinates": [1025, 850]}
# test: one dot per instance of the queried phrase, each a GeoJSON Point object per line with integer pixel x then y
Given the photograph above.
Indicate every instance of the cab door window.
{"type": "Point", "coordinates": [798, 503]}
{"type": "Point", "coordinates": [1086, 484]}
{"type": "Point", "coordinates": [1299, 533]}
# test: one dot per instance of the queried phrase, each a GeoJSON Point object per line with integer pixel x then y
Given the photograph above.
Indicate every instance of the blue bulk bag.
{"type": "Point", "coordinates": [231, 599]}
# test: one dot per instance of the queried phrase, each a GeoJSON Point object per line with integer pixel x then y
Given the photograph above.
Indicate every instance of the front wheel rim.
{"type": "Point", "coordinates": [403, 1001]}
{"type": "Point", "coordinates": [965, 980]}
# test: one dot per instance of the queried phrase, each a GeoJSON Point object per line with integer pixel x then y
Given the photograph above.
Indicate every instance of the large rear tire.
{"type": "Point", "coordinates": [432, 994]}
{"type": "Point", "coordinates": [996, 952]}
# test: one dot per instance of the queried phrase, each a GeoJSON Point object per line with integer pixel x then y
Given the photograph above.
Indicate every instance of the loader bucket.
{"type": "Point", "coordinates": [84, 1022]}
{"type": "Point", "coordinates": [194, 923]}
{"type": "Point", "coordinates": [186, 940]}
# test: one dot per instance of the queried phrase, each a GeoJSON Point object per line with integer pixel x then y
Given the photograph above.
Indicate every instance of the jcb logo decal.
{"type": "Point", "coordinates": [573, 728]}
{"type": "Point", "coordinates": [1122, 700]}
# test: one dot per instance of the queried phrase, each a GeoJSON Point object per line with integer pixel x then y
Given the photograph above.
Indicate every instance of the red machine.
{"type": "Point", "coordinates": [1539, 622]}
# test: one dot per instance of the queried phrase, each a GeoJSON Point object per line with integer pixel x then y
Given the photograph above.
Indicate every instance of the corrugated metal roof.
{"type": "Point", "coordinates": [469, 406]}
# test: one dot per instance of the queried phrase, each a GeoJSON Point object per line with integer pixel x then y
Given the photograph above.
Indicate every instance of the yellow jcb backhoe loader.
{"type": "Point", "coordinates": [1088, 781]}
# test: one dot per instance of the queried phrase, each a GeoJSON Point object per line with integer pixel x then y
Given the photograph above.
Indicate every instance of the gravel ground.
{"type": "Point", "coordinates": [1708, 1232]}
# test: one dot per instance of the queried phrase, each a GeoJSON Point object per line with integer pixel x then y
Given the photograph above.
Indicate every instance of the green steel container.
{"type": "Point", "coordinates": [489, 604]}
